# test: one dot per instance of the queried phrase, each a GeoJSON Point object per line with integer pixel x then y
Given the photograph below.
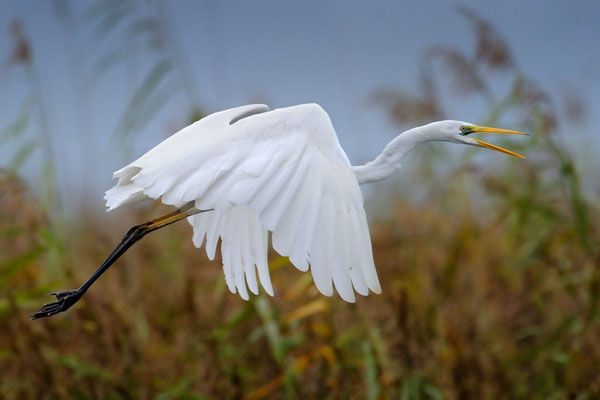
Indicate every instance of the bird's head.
{"type": "Point", "coordinates": [463, 133]}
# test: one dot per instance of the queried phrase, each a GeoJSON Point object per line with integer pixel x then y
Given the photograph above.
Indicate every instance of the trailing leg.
{"type": "Point", "coordinates": [67, 298]}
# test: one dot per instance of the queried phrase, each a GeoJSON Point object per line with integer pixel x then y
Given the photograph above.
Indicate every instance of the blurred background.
{"type": "Point", "coordinates": [490, 265]}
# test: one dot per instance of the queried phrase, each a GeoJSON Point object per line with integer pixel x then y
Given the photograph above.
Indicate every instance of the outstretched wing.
{"type": "Point", "coordinates": [283, 170]}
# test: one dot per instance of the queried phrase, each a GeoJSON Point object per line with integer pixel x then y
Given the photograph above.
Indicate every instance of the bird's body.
{"type": "Point", "coordinates": [240, 173]}
{"type": "Point", "coordinates": [283, 171]}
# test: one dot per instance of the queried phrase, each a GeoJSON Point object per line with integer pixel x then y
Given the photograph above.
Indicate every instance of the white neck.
{"type": "Point", "coordinates": [388, 162]}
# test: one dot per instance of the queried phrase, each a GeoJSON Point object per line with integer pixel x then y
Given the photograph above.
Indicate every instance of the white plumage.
{"type": "Point", "coordinates": [282, 171]}
{"type": "Point", "coordinates": [239, 173]}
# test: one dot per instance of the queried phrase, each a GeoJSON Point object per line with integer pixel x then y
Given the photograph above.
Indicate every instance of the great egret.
{"type": "Point", "coordinates": [240, 173]}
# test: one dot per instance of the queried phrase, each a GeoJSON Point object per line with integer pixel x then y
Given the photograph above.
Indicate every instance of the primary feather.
{"type": "Point", "coordinates": [259, 170]}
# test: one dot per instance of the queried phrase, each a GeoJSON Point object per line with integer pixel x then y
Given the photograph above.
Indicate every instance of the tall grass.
{"type": "Point", "coordinates": [487, 293]}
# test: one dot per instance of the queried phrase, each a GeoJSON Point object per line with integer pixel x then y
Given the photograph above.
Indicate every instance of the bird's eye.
{"type": "Point", "coordinates": [465, 130]}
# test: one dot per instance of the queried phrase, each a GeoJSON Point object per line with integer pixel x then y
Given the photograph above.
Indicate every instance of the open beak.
{"type": "Point", "coordinates": [481, 143]}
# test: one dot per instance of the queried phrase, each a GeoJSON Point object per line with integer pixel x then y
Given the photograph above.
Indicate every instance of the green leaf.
{"type": "Point", "coordinates": [371, 383]}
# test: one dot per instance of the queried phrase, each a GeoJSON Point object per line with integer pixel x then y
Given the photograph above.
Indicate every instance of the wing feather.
{"type": "Point", "coordinates": [247, 258]}
{"type": "Point", "coordinates": [275, 188]}
{"type": "Point", "coordinates": [280, 204]}
{"type": "Point", "coordinates": [227, 255]}
{"type": "Point", "coordinates": [200, 222]}
{"type": "Point", "coordinates": [231, 245]}
{"type": "Point", "coordinates": [335, 261]}
{"type": "Point", "coordinates": [318, 255]}
{"type": "Point", "coordinates": [212, 232]}
{"type": "Point", "coordinates": [262, 236]}
{"type": "Point", "coordinates": [292, 219]}
{"type": "Point", "coordinates": [300, 254]}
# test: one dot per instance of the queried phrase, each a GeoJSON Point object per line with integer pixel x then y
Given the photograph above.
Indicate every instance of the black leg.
{"type": "Point", "coordinates": [66, 299]}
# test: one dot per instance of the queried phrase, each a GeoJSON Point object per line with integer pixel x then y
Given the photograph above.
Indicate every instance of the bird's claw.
{"type": "Point", "coordinates": [64, 301]}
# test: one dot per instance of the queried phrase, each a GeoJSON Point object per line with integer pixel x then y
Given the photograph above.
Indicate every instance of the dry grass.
{"type": "Point", "coordinates": [500, 302]}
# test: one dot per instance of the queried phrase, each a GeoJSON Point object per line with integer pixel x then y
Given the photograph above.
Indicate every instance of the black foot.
{"type": "Point", "coordinates": [65, 301]}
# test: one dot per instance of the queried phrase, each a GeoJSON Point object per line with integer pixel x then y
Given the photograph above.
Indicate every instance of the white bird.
{"type": "Point", "coordinates": [240, 173]}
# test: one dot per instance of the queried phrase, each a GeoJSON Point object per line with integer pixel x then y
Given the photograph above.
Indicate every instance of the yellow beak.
{"type": "Point", "coordinates": [476, 128]}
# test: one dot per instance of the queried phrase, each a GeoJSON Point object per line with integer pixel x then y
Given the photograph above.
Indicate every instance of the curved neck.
{"type": "Point", "coordinates": [388, 162]}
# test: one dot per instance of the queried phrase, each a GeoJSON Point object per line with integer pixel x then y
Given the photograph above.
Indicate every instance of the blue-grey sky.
{"type": "Point", "coordinates": [335, 53]}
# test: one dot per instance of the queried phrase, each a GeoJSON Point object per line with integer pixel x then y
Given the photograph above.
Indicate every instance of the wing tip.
{"type": "Point", "coordinates": [269, 290]}
{"type": "Point", "coordinates": [349, 299]}
{"type": "Point", "coordinates": [376, 289]}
